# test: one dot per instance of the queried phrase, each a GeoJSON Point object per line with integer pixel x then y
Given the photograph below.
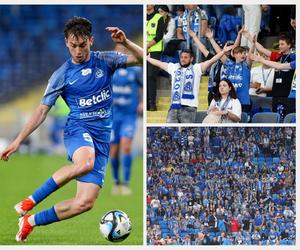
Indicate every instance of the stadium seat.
{"type": "Point", "coordinates": [266, 117]}
{"type": "Point", "coordinates": [290, 118]}
{"type": "Point", "coordinates": [261, 102]}
{"type": "Point", "coordinates": [200, 116]}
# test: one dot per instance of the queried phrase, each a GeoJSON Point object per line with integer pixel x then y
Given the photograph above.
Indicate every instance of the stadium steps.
{"type": "Point", "coordinates": [163, 104]}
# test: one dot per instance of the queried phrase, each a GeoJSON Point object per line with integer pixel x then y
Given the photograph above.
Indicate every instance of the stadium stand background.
{"type": "Point", "coordinates": [32, 47]}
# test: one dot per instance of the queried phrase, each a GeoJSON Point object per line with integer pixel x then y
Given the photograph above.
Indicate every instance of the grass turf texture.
{"type": "Point", "coordinates": [22, 174]}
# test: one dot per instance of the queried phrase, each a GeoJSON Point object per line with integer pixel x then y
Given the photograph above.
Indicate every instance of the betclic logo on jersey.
{"type": "Point", "coordinates": [100, 97]}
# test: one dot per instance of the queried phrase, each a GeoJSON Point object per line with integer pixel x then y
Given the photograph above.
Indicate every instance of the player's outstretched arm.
{"type": "Point", "coordinates": [118, 36]}
{"type": "Point", "coordinates": [157, 63]}
{"type": "Point", "coordinates": [38, 116]}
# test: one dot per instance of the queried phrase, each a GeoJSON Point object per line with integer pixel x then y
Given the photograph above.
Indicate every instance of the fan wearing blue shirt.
{"type": "Point", "coordinates": [84, 82]}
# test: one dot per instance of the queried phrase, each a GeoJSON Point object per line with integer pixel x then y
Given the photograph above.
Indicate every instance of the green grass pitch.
{"type": "Point", "coordinates": [22, 174]}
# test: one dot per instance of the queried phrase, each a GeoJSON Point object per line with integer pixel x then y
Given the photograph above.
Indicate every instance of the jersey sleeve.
{"type": "Point", "coordinates": [198, 68]}
{"type": "Point", "coordinates": [293, 56]}
{"type": "Point", "coordinates": [54, 89]}
{"type": "Point", "coordinates": [293, 64]}
{"type": "Point", "coordinates": [171, 68]}
{"type": "Point", "coordinates": [113, 59]}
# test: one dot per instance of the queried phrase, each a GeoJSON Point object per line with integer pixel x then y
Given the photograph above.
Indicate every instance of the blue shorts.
{"type": "Point", "coordinates": [78, 136]}
{"type": "Point", "coordinates": [123, 128]}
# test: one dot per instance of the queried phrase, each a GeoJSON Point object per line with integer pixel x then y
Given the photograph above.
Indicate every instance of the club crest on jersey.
{"type": "Point", "coordinates": [85, 72]}
{"type": "Point", "coordinates": [99, 73]}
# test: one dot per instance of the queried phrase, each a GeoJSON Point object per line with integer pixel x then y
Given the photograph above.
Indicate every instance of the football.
{"type": "Point", "coordinates": [115, 226]}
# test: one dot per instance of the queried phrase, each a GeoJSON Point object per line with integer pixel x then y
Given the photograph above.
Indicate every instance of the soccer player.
{"type": "Point", "coordinates": [127, 104]}
{"type": "Point", "coordinates": [84, 82]}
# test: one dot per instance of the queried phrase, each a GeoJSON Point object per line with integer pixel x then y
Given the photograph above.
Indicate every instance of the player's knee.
{"type": "Point", "coordinates": [126, 149]}
{"type": "Point", "coordinates": [84, 205]}
{"type": "Point", "coordinates": [126, 146]}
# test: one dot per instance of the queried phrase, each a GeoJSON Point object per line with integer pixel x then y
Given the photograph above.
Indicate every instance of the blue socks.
{"type": "Point", "coordinates": [45, 217]}
{"type": "Point", "coordinates": [115, 169]}
{"type": "Point", "coordinates": [126, 162]}
{"type": "Point", "coordinates": [127, 159]}
{"type": "Point", "coordinates": [45, 190]}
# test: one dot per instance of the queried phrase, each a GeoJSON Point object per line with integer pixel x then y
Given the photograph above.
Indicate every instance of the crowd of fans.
{"type": "Point", "coordinates": [221, 186]}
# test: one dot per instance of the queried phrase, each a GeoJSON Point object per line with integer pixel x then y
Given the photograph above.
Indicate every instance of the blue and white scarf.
{"type": "Point", "coordinates": [183, 87]}
{"type": "Point", "coordinates": [224, 106]}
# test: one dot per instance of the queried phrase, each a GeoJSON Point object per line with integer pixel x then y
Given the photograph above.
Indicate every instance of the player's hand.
{"type": "Point", "coordinates": [117, 35]}
{"type": "Point", "coordinates": [6, 153]}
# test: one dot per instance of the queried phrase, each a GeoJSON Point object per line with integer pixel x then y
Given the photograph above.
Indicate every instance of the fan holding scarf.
{"type": "Point", "coordinates": [185, 83]}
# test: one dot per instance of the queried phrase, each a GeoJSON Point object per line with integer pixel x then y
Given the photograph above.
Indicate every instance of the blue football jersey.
{"type": "Point", "coordinates": [87, 89]}
{"type": "Point", "coordinates": [239, 75]}
{"type": "Point", "coordinates": [126, 84]}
